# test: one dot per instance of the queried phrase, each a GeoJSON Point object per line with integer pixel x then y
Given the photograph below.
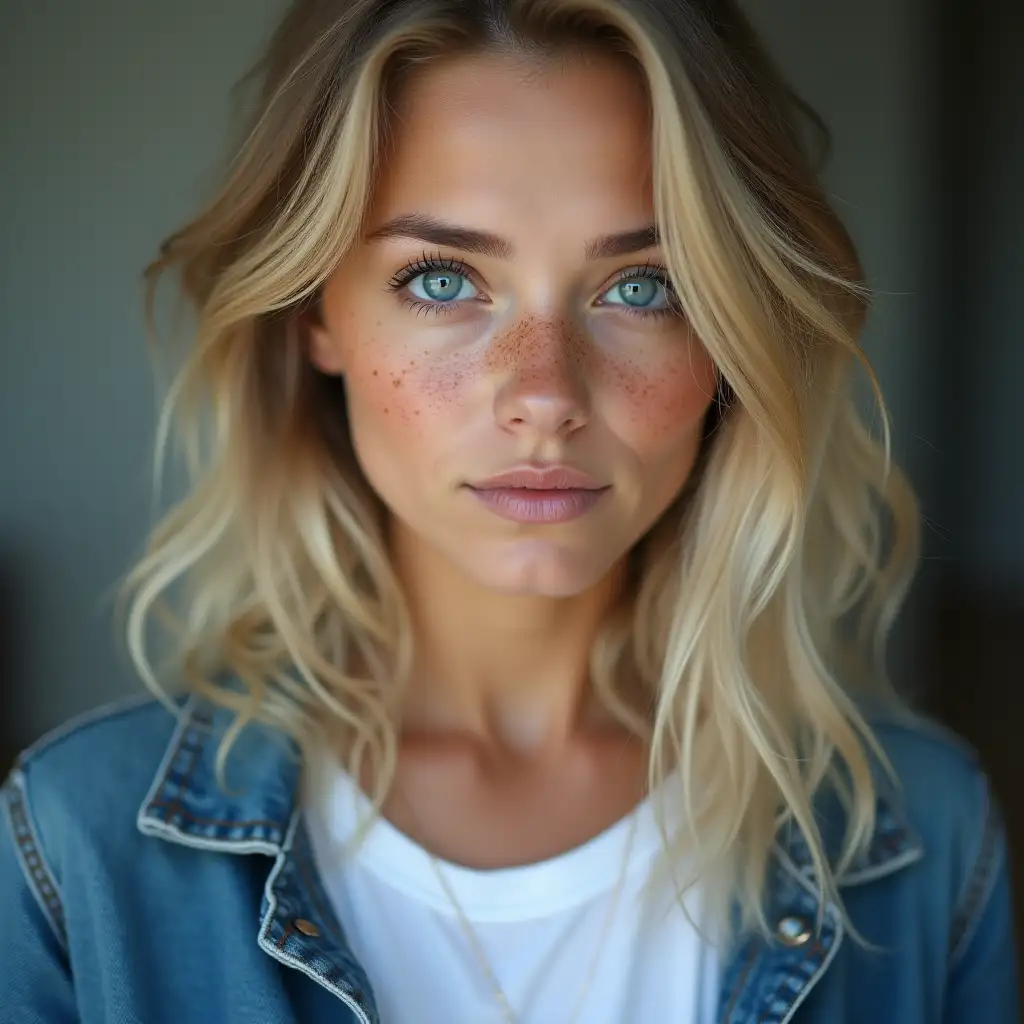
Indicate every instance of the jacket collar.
{"type": "Point", "coordinates": [257, 810]}
{"type": "Point", "coordinates": [251, 813]}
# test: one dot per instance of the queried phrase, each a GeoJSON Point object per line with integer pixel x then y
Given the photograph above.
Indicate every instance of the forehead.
{"type": "Point", "coordinates": [493, 136]}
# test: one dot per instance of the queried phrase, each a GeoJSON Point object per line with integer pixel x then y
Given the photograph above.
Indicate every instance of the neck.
{"type": "Point", "coordinates": [508, 669]}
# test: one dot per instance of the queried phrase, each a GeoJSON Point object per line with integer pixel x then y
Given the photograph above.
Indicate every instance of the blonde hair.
{"type": "Point", "coordinates": [764, 595]}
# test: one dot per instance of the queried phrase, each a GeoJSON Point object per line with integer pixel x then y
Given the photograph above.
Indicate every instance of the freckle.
{"type": "Point", "coordinates": [396, 382]}
{"type": "Point", "coordinates": [515, 344]}
{"type": "Point", "coordinates": [376, 374]}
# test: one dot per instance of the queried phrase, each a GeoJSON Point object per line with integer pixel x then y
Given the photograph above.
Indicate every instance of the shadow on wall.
{"type": "Point", "coordinates": [971, 662]}
{"type": "Point", "coordinates": [11, 624]}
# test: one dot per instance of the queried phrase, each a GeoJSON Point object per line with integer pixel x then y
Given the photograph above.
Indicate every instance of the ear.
{"type": "Point", "coordinates": [324, 351]}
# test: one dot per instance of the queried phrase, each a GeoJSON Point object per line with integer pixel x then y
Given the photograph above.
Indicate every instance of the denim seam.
{"type": "Point", "coordinates": [740, 982]}
{"type": "Point", "coordinates": [876, 871]}
{"type": "Point", "coordinates": [279, 953]}
{"type": "Point", "coordinates": [32, 860]}
{"type": "Point", "coordinates": [288, 929]}
{"type": "Point", "coordinates": [979, 885]}
{"type": "Point", "coordinates": [309, 873]}
{"type": "Point", "coordinates": [158, 810]}
{"type": "Point", "coordinates": [175, 805]}
{"type": "Point", "coordinates": [174, 808]}
{"type": "Point", "coordinates": [811, 981]}
{"type": "Point", "coordinates": [808, 952]}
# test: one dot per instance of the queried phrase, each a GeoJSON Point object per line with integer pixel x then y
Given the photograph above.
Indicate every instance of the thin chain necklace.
{"type": "Point", "coordinates": [485, 964]}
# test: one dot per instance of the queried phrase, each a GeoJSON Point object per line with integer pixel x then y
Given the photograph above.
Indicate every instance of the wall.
{"type": "Point", "coordinates": [119, 115]}
{"type": "Point", "coordinates": [116, 130]}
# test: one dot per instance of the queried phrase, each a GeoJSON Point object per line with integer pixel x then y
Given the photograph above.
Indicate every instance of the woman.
{"type": "Point", "coordinates": [531, 585]}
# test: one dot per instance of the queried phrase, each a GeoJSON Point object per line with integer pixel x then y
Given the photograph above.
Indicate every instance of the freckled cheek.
{"type": "Point", "coordinates": [662, 402]}
{"type": "Point", "coordinates": [404, 398]}
{"type": "Point", "coordinates": [380, 398]}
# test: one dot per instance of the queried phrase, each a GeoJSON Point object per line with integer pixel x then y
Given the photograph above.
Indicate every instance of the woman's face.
{"type": "Point", "coordinates": [506, 310]}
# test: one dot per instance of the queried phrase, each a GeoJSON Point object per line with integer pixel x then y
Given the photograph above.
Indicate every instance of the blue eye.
{"type": "Point", "coordinates": [642, 292]}
{"type": "Point", "coordinates": [441, 286]}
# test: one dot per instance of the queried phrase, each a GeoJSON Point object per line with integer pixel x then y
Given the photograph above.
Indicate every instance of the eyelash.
{"type": "Point", "coordinates": [429, 264]}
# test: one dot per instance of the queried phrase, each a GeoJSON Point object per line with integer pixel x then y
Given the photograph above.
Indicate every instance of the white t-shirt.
{"type": "Point", "coordinates": [540, 925]}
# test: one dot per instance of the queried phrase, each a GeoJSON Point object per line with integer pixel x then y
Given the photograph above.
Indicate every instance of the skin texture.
{"type": "Point", "coordinates": [538, 361]}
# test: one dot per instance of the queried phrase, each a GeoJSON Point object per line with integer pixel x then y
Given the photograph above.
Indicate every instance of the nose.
{"type": "Point", "coordinates": [543, 391]}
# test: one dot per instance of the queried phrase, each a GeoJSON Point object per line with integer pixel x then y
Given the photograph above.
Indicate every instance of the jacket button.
{"type": "Point", "coordinates": [793, 931]}
{"type": "Point", "coordinates": [306, 927]}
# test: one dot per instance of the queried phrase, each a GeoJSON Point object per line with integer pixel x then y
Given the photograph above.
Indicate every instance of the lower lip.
{"type": "Point", "coordinates": [524, 505]}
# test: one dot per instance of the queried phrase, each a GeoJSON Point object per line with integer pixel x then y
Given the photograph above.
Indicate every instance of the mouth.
{"type": "Point", "coordinates": [555, 494]}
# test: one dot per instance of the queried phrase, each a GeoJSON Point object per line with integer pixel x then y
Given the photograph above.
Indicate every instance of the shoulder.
{"type": "Point", "coordinates": [940, 782]}
{"type": "Point", "coordinates": [126, 726]}
{"type": "Point", "coordinates": [926, 756]}
{"type": "Point", "coordinates": [95, 768]}
{"type": "Point", "coordinates": [115, 741]}
{"type": "Point", "coordinates": [69, 806]}
{"type": "Point", "coordinates": [944, 795]}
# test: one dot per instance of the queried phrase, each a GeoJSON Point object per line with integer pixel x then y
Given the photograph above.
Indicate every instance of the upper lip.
{"type": "Point", "coordinates": [545, 478]}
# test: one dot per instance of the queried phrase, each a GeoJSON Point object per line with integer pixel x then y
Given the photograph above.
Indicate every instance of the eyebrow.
{"type": "Point", "coordinates": [438, 232]}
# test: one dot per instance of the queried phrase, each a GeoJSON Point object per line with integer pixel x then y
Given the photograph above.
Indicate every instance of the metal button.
{"type": "Point", "coordinates": [306, 927]}
{"type": "Point", "coordinates": [793, 931]}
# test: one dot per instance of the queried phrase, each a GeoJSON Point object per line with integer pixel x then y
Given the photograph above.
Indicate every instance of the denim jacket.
{"type": "Point", "coordinates": [133, 888]}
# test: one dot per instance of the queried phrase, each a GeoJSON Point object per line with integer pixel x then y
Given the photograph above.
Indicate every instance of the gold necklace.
{"type": "Point", "coordinates": [485, 964]}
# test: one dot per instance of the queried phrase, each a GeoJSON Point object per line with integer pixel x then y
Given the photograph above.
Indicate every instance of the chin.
{"type": "Point", "coordinates": [540, 570]}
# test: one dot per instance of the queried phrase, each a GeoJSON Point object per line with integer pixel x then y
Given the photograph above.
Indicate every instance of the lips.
{"type": "Point", "coordinates": [547, 495]}
{"type": "Point", "coordinates": [549, 478]}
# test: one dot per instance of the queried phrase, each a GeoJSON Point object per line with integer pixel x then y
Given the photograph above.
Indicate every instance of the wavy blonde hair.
{"type": "Point", "coordinates": [764, 597]}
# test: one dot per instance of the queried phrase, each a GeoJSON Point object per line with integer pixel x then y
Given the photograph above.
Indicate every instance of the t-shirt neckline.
{"type": "Point", "coordinates": [518, 893]}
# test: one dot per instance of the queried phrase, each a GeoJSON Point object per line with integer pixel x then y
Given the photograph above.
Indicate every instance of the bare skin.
{"type": "Point", "coordinates": [539, 358]}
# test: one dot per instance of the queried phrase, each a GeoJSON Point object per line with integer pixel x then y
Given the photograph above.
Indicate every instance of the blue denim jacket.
{"type": "Point", "coordinates": [134, 889]}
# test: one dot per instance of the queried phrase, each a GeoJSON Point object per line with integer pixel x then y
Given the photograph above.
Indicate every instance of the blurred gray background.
{"type": "Point", "coordinates": [112, 125]}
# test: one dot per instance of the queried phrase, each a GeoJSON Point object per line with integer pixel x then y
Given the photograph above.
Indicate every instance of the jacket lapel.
{"type": "Point", "coordinates": [767, 978]}
{"type": "Point", "coordinates": [258, 812]}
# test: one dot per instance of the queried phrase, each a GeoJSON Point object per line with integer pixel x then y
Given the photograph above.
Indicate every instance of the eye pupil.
{"type": "Point", "coordinates": [639, 292]}
{"type": "Point", "coordinates": [442, 286]}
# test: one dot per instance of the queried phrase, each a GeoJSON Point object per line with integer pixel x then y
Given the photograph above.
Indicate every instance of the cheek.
{"type": "Point", "coordinates": [380, 400]}
{"type": "Point", "coordinates": [397, 395]}
{"type": "Point", "coordinates": [660, 398]}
